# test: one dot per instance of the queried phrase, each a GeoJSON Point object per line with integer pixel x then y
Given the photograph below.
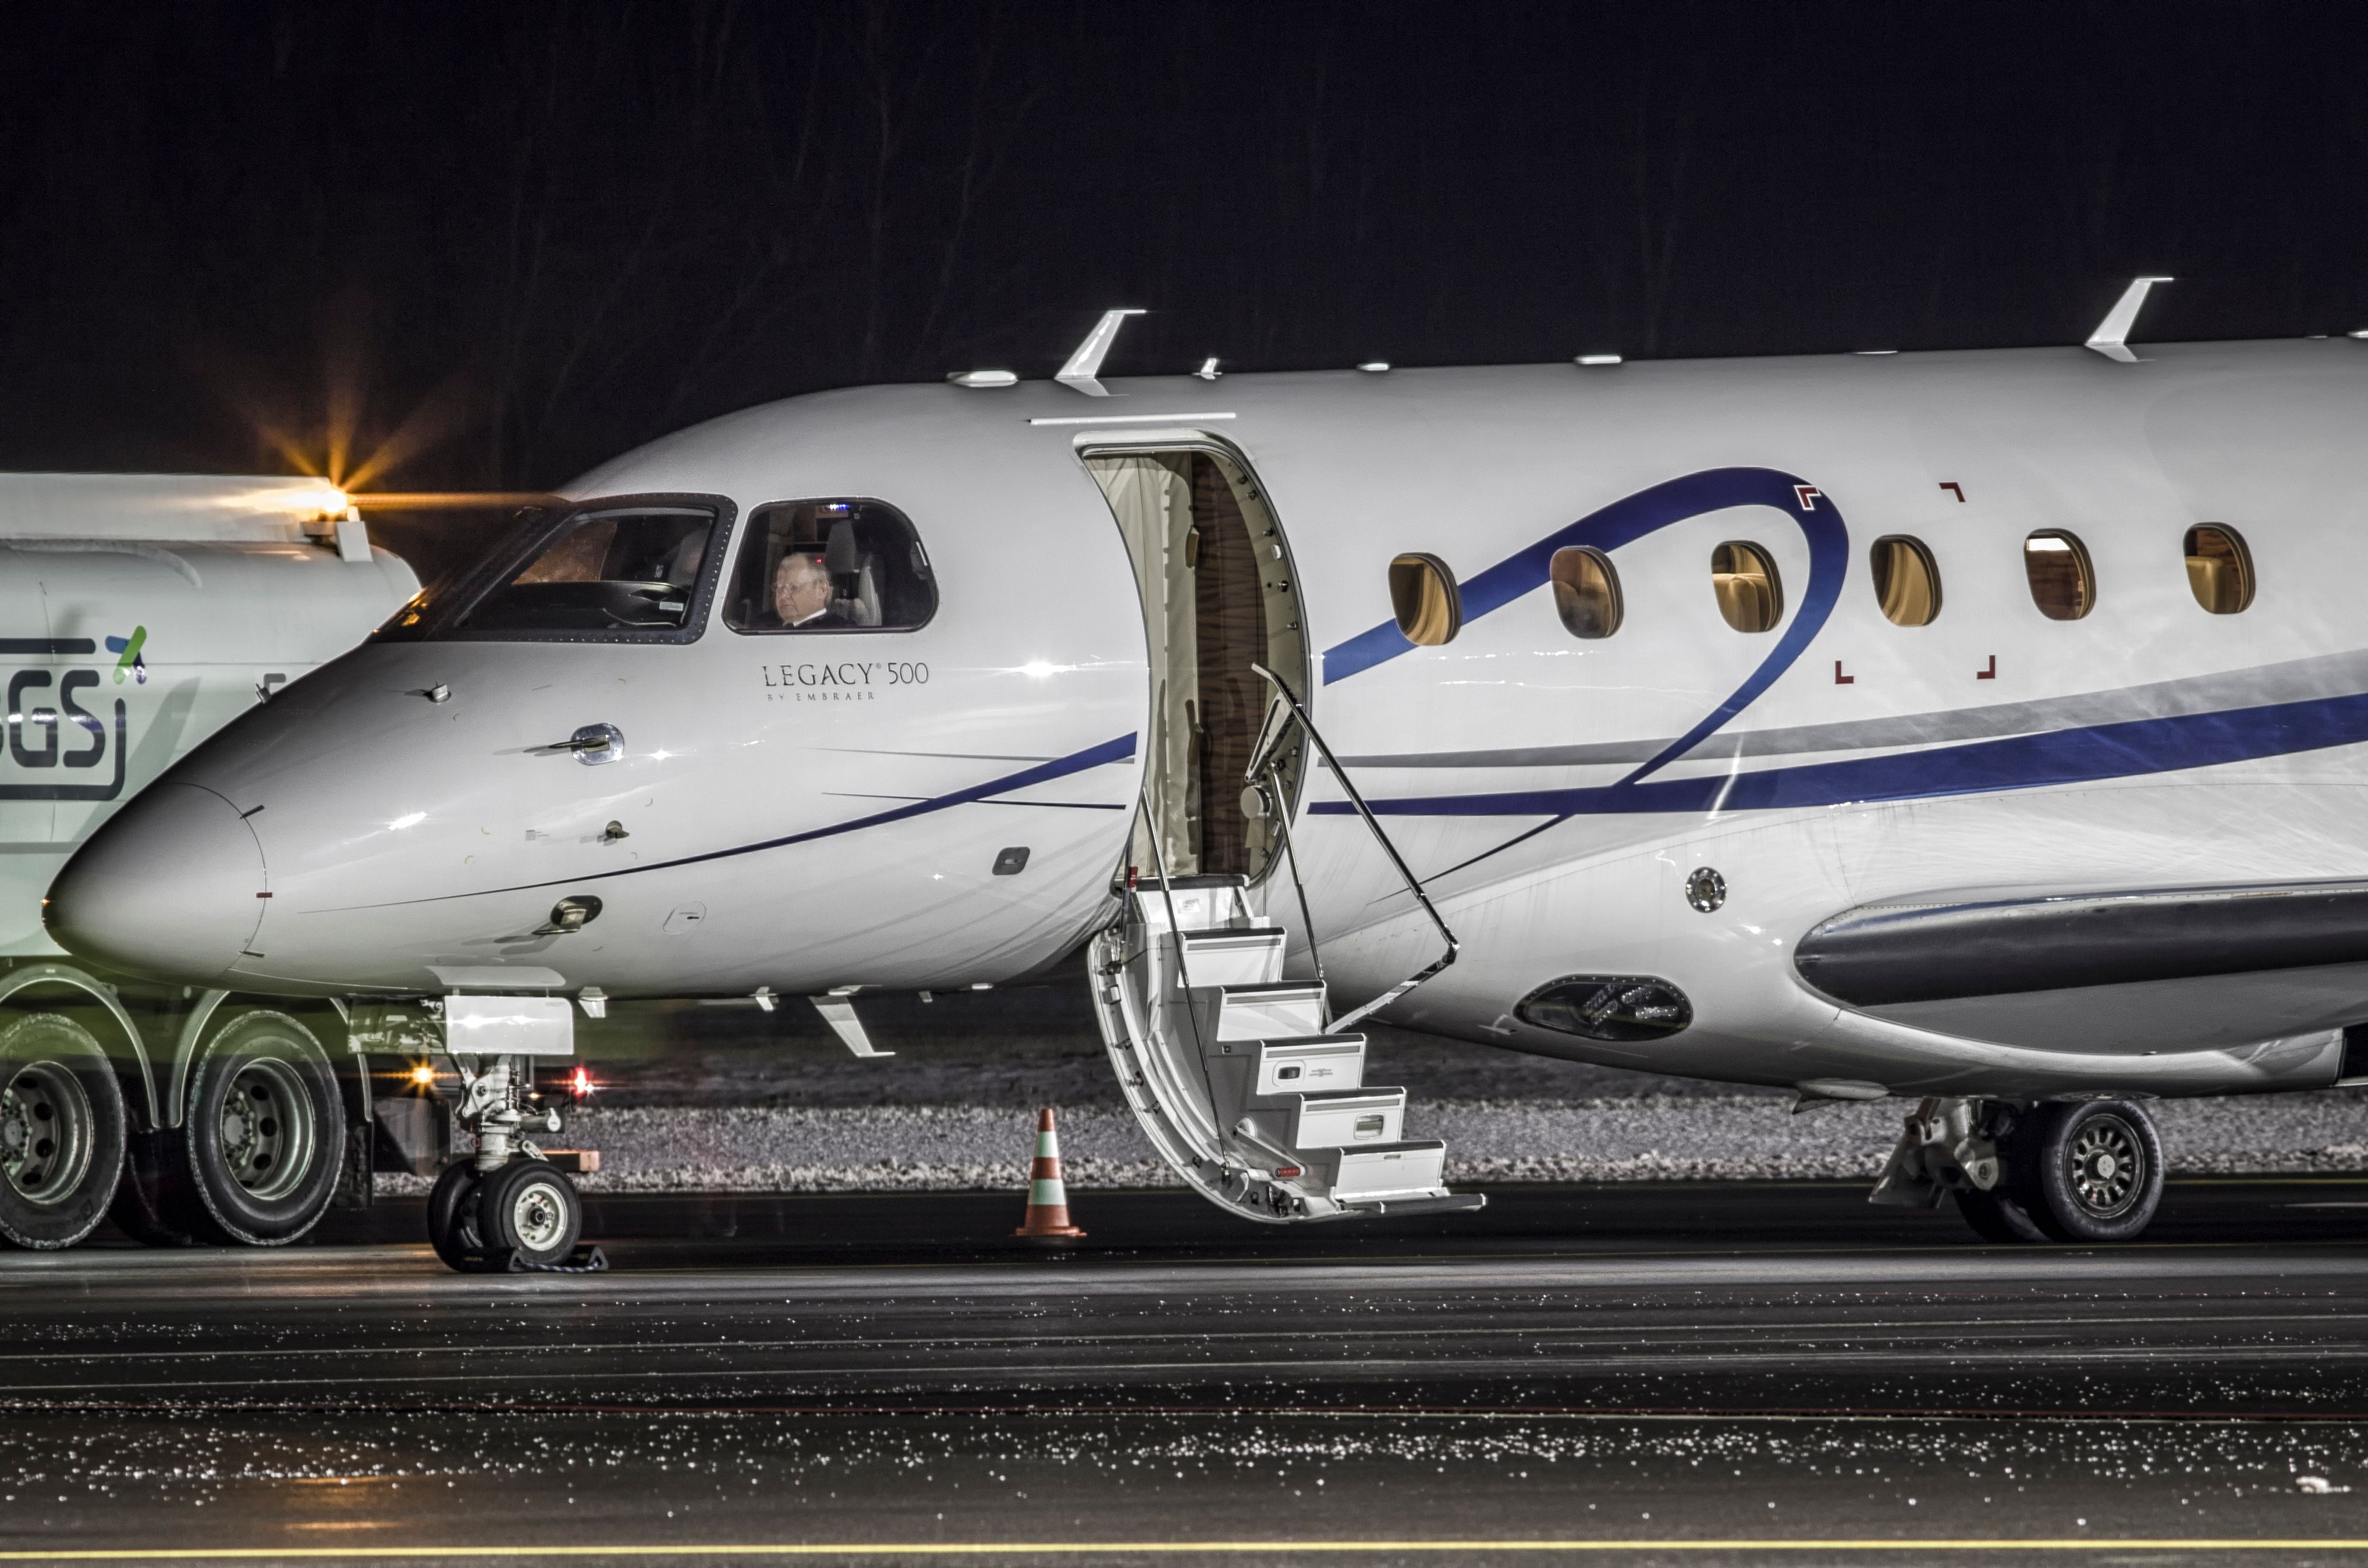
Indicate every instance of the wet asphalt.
{"type": "Point", "coordinates": [1633, 1373]}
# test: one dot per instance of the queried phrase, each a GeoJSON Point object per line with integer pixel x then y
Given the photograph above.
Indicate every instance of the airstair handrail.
{"type": "Point", "coordinates": [1414, 886]}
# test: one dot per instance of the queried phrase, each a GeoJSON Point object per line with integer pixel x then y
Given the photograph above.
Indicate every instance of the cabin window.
{"type": "Point", "coordinates": [2063, 584]}
{"type": "Point", "coordinates": [1586, 592]}
{"type": "Point", "coordinates": [1751, 594]}
{"type": "Point", "coordinates": [2219, 569]}
{"type": "Point", "coordinates": [1422, 593]}
{"type": "Point", "coordinates": [615, 571]}
{"type": "Point", "coordinates": [1907, 583]}
{"type": "Point", "coordinates": [815, 566]}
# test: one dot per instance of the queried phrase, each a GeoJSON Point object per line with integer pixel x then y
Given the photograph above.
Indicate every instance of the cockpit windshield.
{"type": "Point", "coordinates": [631, 571]}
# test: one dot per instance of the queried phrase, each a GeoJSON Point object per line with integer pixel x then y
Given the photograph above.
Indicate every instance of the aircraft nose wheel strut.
{"type": "Point", "coordinates": [507, 1209]}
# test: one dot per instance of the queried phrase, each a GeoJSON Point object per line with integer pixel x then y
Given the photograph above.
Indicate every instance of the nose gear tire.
{"type": "Point", "coordinates": [265, 1130]}
{"type": "Point", "coordinates": [62, 1126]}
{"type": "Point", "coordinates": [453, 1228]}
{"type": "Point", "coordinates": [529, 1208]}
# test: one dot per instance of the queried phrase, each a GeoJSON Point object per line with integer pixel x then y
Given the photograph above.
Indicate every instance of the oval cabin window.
{"type": "Point", "coordinates": [1586, 592]}
{"type": "Point", "coordinates": [1751, 594]}
{"type": "Point", "coordinates": [1907, 583]}
{"type": "Point", "coordinates": [2219, 569]}
{"type": "Point", "coordinates": [2063, 584]}
{"type": "Point", "coordinates": [1422, 593]}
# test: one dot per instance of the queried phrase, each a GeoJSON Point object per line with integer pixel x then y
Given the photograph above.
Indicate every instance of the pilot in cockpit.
{"type": "Point", "coordinates": [802, 594]}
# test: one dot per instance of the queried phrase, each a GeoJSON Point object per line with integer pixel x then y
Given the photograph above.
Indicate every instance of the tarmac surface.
{"type": "Point", "coordinates": [1637, 1372]}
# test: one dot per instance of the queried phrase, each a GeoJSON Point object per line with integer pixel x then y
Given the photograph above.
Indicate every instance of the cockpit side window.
{"type": "Point", "coordinates": [848, 565]}
{"type": "Point", "coordinates": [637, 569]}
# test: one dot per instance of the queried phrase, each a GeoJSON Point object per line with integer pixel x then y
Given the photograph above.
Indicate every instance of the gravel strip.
{"type": "Point", "coordinates": [1633, 1138]}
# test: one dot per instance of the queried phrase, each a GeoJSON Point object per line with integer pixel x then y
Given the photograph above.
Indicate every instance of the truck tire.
{"type": "Point", "coordinates": [62, 1131]}
{"type": "Point", "coordinates": [265, 1132]}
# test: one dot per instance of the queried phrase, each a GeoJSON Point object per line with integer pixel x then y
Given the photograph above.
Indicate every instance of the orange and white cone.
{"type": "Point", "coordinates": [1048, 1199]}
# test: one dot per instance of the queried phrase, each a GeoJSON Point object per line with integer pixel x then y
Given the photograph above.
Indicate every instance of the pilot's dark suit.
{"type": "Point", "coordinates": [828, 620]}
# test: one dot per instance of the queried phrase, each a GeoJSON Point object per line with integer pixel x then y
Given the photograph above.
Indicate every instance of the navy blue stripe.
{"type": "Point", "coordinates": [1119, 750]}
{"type": "Point", "coordinates": [2126, 750]}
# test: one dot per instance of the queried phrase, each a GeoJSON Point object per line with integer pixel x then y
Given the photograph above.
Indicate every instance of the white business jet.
{"type": "Point", "coordinates": [1975, 727]}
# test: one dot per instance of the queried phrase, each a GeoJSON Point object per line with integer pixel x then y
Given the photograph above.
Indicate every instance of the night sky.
{"type": "Point", "coordinates": [488, 245]}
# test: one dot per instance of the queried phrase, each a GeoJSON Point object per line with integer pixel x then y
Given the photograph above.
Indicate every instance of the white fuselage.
{"type": "Point", "coordinates": [810, 809]}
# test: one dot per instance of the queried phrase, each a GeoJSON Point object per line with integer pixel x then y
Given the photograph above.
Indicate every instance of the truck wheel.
{"type": "Point", "coordinates": [2098, 1171]}
{"type": "Point", "coordinates": [264, 1131]}
{"type": "Point", "coordinates": [62, 1131]}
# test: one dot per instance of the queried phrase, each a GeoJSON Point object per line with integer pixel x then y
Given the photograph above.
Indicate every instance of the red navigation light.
{"type": "Point", "coordinates": [581, 1085]}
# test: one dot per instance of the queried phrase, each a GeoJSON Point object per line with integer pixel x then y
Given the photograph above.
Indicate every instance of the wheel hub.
{"type": "Point", "coordinates": [539, 1216]}
{"type": "Point", "coordinates": [46, 1130]}
{"type": "Point", "coordinates": [266, 1129]}
{"type": "Point", "coordinates": [2107, 1165]}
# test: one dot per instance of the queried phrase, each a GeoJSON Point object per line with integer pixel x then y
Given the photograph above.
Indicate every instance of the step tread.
{"type": "Point", "coordinates": [1234, 935]}
{"type": "Point", "coordinates": [1418, 1145]}
{"type": "Point", "coordinates": [1333, 1096]}
{"type": "Point", "coordinates": [1251, 990]}
{"type": "Point", "coordinates": [1441, 1203]}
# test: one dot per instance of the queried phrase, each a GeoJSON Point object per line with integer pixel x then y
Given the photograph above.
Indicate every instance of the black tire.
{"type": "Point", "coordinates": [2081, 1177]}
{"type": "Point", "coordinates": [531, 1208]}
{"type": "Point", "coordinates": [452, 1219]}
{"type": "Point", "coordinates": [62, 1131]}
{"type": "Point", "coordinates": [1997, 1217]}
{"type": "Point", "coordinates": [155, 1202]}
{"type": "Point", "coordinates": [264, 1131]}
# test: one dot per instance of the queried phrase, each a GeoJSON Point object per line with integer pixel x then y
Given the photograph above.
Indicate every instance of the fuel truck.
{"type": "Point", "coordinates": [139, 614]}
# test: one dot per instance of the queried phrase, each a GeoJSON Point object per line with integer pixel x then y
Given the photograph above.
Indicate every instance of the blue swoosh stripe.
{"type": "Point", "coordinates": [2131, 749]}
{"type": "Point", "coordinates": [1622, 522]}
{"type": "Point", "coordinates": [1119, 750]}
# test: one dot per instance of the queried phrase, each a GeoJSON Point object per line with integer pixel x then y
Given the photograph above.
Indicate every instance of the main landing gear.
{"type": "Point", "coordinates": [506, 1209]}
{"type": "Point", "coordinates": [2078, 1171]}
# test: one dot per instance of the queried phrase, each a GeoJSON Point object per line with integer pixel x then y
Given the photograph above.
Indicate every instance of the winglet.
{"type": "Point", "coordinates": [1086, 364]}
{"type": "Point", "coordinates": [2112, 336]}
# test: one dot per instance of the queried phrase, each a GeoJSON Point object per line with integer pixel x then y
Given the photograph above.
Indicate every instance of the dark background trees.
{"type": "Point", "coordinates": [478, 246]}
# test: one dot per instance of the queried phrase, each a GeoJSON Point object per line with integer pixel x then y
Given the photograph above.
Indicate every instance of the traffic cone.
{"type": "Point", "coordinates": [1048, 1199]}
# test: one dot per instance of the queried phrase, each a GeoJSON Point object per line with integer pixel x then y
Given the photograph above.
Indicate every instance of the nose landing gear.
{"type": "Point", "coordinates": [2082, 1171]}
{"type": "Point", "coordinates": [507, 1209]}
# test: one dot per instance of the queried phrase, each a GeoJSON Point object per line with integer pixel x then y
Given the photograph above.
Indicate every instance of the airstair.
{"type": "Point", "coordinates": [1241, 1078]}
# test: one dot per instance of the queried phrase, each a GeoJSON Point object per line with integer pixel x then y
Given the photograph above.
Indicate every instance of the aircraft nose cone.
{"type": "Point", "coordinates": [166, 890]}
